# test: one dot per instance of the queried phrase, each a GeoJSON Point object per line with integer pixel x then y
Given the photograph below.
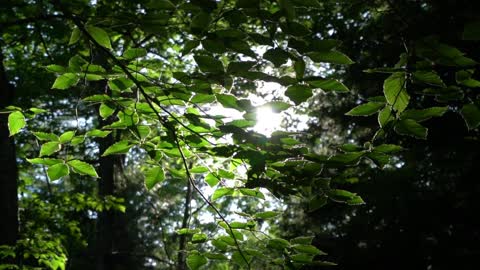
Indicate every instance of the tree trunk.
{"type": "Point", "coordinates": [105, 188]}
{"type": "Point", "coordinates": [8, 168]}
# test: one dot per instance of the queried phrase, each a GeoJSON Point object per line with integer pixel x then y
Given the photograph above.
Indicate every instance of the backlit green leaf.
{"type": "Point", "coordinates": [49, 148]}
{"type": "Point", "coordinates": [211, 179]}
{"type": "Point", "coordinates": [344, 196]}
{"type": "Point", "coordinates": [133, 53]}
{"type": "Point", "coordinates": [298, 93]}
{"type": "Point", "coordinates": [105, 110]}
{"type": "Point", "coordinates": [65, 81]}
{"type": "Point", "coordinates": [16, 121]}
{"type": "Point", "coordinates": [425, 114]}
{"type": "Point", "coordinates": [471, 115]}
{"type": "Point", "coordinates": [277, 56]}
{"type": "Point", "coordinates": [195, 261]}
{"type": "Point", "coordinates": [395, 93]}
{"type": "Point", "coordinates": [209, 64]}
{"type": "Point", "coordinates": [76, 34]}
{"type": "Point", "coordinates": [66, 137]}
{"type": "Point", "coordinates": [81, 167]}
{"type": "Point", "coordinates": [328, 85]}
{"type": "Point", "coordinates": [57, 171]}
{"type": "Point", "coordinates": [334, 57]}
{"type": "Point", "coordinates": [428, 77]}
{"type": "Point", "coordinates": [411, 128]}
{"type": "Point", "coordinates": [120, 147]}
{"type": "Point", "coordinates": [45, 161]}
{"type": "Point", "coordinates": [154, 176]}
{"type": "Point", "coordinates": [221, 192]}
{"type": "Point", "coordinates": [99, 35]}
{"type": "Point", "coordinates": [199, 238]}
{"type": "Point", "coordinates": [366, 109]}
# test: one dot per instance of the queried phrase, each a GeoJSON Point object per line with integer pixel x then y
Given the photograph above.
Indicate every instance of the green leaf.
{"type": "Point", "coordinates": [81, 167]}
{"type": "Point", "coordinates": [154, 176]}
{"type": "Point", "coordinates": [411, 128]}
{"type": "Point", "coordinates": [183, 231]}
{"type": "Point", "coordinates": [65, 81]}
{"type": "Point", "coordinates": [425, 114]}
{"type": "Point", "coordinates": [226, 174]}
{"type": "Point", "coordinates": [388, 148]}
{"type": "Point", "coordinates": [75, 37]}
{"type": "Point", "coordinates": [50, 148]}
{"type": "Point", "coordinates": [56, 68]}
{"type": "Point", "coordinates": [120, 84]}
{"type": "Point", "coordinates": [120, 147]}
{"type": "Point", "coordinates": [366, 109]}
{"type": "Point", "coordinates": [214, 45]}
{"type": "Point", "coordinates": [228, 101]}
{"type": "Point", "coordinates": [308, 249]}
{"type": "Point", "coordinates": [277, 56]}
{"type": "Point", "coordinates": [237, 67]}
{"type": "Point", "coordinates": [344, 196]}
{"type": "Point", "coordinates": [215, 256]}
{"type": "Point", "coordinates": [299, 68]}
{"type": "Point", "coordinates": [57, 171]}
{"type": "Point", "coordinates": [302, 240]}
{"type": "Point", "coordinates": [67, 136]}
{"type": "Point", "coordinates": [221, 192]}
{"type": "Point", "coordinates": [266, 215]}
{"type": "Point", "coordinates": [241, 260]}
{"type": "Point", "coordinates": [471, 31]}
{"type": "Point", "coordinates": [278, 243]}
{"type": "Point", "coordinates": [428, 77]}
{"type": "Point", "coordinates": [77, 140]}
{"type": "Point", "coordinates": [395, 93]}
{"type": "Point", "coordinates": [200, 22]}
{"type": "Point", "coordinates": [98, 133]}
{"type": "Point", "coordinates": [195, 261]}
{"type": "Point", "coordinates": [199, 238]}
{"type": "Point", "coordinates": [252, 192]}
{"type": "Point", "coordinates": [45, 161]}
{"type": "Point", "coordinates": [301, 258]}
{"type": "Point", "coordinates": [37, 110]}
{"type": "Point", "coordinates": [298, 93]}
{"type": "Point", "coordinates": [294, 29]}
{"type": "Point", "coordinates": [133, 53]}
{"type": "Point", "coordinates": [385, 116]}
{"type": "Point", "coordinates": [334, 57]}
{"type": "Point", "coordinates": [105, 110]}
{"type": "Point", "coordinates": [347, 158]}
{"type": "Point", "coordinates": [99, 35]}
{"type": "Point", "coordinates": [189, 46]}
{"type": "Point", "coordinates": [379, 158]}
{"type": "Point", "coordinates": [471, 115]}
{"type": "Point", "coordinates": [328, 85]}
{"type": "Point", "coordinates": [16, 121]}
{"type": "Point", "coordinates": [209, 64]}
{"type": "Point", "coordinates": [211, 179]}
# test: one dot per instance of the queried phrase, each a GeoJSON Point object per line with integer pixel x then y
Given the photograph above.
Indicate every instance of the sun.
{"type": "Point", "coordinates": [267, 121]}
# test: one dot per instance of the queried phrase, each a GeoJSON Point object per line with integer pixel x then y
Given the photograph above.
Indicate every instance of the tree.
{"type": "Point", "coordinates": [161, 67]}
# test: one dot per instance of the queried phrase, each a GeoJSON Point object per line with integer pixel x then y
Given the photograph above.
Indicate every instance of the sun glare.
{"type": "Point", "coordinates": [267, 121]}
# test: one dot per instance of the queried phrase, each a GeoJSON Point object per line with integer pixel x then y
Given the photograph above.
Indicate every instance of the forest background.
{"type": "Point", "coordinates": [136, 134]}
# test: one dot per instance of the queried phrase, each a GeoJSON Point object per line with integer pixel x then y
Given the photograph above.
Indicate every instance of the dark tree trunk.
{"type": "Point", "coordinates": [105, 188]}
{"type": "Point", "coordinates": [8, 168]}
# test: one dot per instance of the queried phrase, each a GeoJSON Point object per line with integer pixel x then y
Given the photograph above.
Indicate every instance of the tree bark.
{"type": "Point", "coordinates": [8, 168]}
{"type": "Point", "coordinates": [105, 188]}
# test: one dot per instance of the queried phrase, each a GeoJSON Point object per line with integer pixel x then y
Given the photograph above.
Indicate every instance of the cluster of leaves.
{"type": "Point", "coordinates": [160, 108]}
{"type": "Point", "coordinates": [426, 71]}
{"type": "Point", "coordinates": [207, 51]}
